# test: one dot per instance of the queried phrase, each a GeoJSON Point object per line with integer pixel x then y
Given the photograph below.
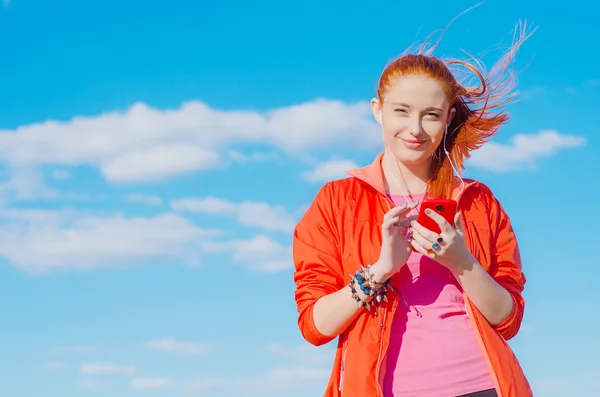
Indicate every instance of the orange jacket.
{"type": "Point", "coordinates": [342, 230]}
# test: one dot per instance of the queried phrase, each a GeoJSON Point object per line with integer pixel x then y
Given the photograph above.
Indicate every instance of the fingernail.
{"type": "Point", "coordinates": [412, 223]}
{"type": "Point", "coordinates": [428, 211]}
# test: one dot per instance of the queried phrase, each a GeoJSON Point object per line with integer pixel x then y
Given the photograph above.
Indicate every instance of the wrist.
{"type": "Point", "coordinates": [466, 263]}
{"type": "Point", "coordinates": [380, 273]}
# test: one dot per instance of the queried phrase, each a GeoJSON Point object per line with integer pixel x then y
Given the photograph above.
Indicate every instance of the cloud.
{"type": "Point", "coordinates": [145, 144]}
{"type": "Point", "coordinates": [594, 82]}
{"type": "Point", "coordinates": [549, 386]}
{"type": "Point", "coordinates": [148, 383]}
{"type": "Point", "coordinates": [533, 92]}
{"type": "Point", "coordinates": [143, 199]}
{"type": "Point", "coordinates": [279, 382]}
{"type": "Point", "coordinates": [178, 347]}
{"type": "Point", "coordinates": [207, 205]}
{"type": "Point", "coordinates": [158, 163]}
{"type": "Point", "coordinates": [329, 171]}
{"type": "Point", "coordinates": [53, 365]}
{"type": "Point", "coordinates": [527, 328]}
{"type": "Point", "coordinates": [252, 157]}
{"type": "Point", "coordinates": [25, 183]}
{"type": "Point", "coordinates": [572, 90]}
{"type": "Point", "coordinates": [60, 175]}
{"type": "Point", "coordinates": [39, 241]}
{"type": "Point", "coordinates": [106, 369]}
{"type": "Point", "coordinates": [523, 150]}
{"type": "Point", "coordinates": [255, 214]}
{"type": "Point", "coordinates": [6, 3]}
{"type": "Point", "coordinates": [82, 349]}
{"type": "Point", "coordinates": [302, 353]}
{"type": "Point", "coordinates": [91, 384]}
{"type": "Point", "coordinates": [260, 253]}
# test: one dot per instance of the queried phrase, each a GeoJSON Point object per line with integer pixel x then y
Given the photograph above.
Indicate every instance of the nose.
{"type": "Point", "coordinates": [415, 126]}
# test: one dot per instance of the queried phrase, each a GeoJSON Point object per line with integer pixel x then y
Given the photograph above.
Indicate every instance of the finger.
{"type": "Point", "coordinates": [422, 250]}
{"type": "Point", "coordinates": [458, 223]}
{"type": "Point", "coordinates": [440, 220]}
{"type": "Point", "coordinates": [411, 218]}
{"type": "Point", "coordinates": [401, 209]}
{"type": "Point", "coordinates": [396, 221]}
{"type": "Point", "coordinates": [422, 240]}
{"type": "Point", "coordinates": [408, 221]}
{"type": "Point", "coordinates": [423, 231]}
{"type": "Point", "coordinates": [394, 211]}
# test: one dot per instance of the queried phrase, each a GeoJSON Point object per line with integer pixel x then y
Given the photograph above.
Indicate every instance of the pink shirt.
{"type": "Point", "coordinates": [433, 350]}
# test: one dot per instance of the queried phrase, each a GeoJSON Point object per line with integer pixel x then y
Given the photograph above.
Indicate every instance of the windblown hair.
{"type": "Point", "coordinates": [480, 108]}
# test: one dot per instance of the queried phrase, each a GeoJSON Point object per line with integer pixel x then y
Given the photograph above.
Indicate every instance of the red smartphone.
{"type": "Point", "coordinates": [444, 207]}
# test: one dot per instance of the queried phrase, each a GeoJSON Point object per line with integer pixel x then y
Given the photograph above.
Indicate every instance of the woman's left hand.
{"type": "Point", "coordinates": [448, 247]}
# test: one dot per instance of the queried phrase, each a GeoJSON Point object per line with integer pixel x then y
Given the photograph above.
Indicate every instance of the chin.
{"type": "Point", "coordinates": [412, 157]}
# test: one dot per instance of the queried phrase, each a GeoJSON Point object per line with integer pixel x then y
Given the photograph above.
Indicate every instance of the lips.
{"type": "Point", "coordinates": [413, 143]}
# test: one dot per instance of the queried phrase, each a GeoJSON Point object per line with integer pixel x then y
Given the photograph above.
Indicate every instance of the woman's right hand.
{"type": "Point", "coordinates": [395, 242]}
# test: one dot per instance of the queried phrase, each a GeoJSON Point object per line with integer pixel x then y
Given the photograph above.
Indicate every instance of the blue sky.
{"type": "Point", "coordinates": [155, 157]}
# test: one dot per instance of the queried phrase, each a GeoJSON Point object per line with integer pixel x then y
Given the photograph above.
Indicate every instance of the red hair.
{"type": "Point", "coordinates": [479, 111]}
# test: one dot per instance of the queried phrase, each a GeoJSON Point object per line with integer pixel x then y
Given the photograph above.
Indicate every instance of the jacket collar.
{"type": "Point", "coordinates": [372, 175]}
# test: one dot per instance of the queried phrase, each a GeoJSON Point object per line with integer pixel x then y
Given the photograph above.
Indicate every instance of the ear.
{"type": "Point", "coordinates": [451, 115]}
{"type": "Point", "coordinates": [376, 109]}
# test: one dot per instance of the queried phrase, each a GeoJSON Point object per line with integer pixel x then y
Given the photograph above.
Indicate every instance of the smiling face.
{"type": "Point", "coordinates": [413, 116]}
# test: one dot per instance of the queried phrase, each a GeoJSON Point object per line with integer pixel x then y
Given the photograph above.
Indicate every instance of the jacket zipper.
{"type": "Point", "coordinates": [382, 325]}
{"type": "Point", "coordinates": [344, 350]}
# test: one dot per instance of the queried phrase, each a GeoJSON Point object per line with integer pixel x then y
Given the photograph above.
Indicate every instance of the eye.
{"type": "Point", "coordinates": [433, 114]}
{"type": "Point", "coordinates": [403, 111]}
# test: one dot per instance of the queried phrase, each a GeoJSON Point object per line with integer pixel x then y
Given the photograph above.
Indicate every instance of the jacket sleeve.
{"type": "Point", "coordinates": [506, 267]}
{"type": "Point", "coordinates": [317, 261]}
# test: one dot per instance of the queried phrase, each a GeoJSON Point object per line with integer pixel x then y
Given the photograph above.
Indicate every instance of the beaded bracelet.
{"type": "Point", "coordinates": [377, 291]}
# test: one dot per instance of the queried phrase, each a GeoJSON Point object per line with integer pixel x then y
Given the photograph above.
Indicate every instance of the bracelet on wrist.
{"type": "Point", "coordinates": [377, 291]}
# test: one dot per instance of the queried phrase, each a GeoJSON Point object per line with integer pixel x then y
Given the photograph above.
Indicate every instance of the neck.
{"type": "Point", "coordinates": [404, 179]}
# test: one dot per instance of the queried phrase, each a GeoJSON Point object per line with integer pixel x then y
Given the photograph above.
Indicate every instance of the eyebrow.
{"type": "Point", "coordinates": [408, 106]}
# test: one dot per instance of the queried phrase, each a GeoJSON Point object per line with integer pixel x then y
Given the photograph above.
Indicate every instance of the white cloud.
{"type": "Point", "coordinates": [594, 82]}
{"type": "Point", "coordinates": [178, 347]}
{"type": "Point", "coordinates": [527, 328]}
{"type": "Point", "coordinates": [302, 353]}
{"type": "Point", "coordinates": [143, 199]}
{"type": "Point", "coordinates": [533, 92]}
{"type": "Point", "coordinates": [106, 369]}
{"type": "Point", "coordinates": [143, 143]}
{"type": "Point", "coordinates": [572, 90]}
{"type": "Point", "coordinates": [259, 253]}
{"type": "Point", "coordinates": [82, 349]}
{"type": "Point", "coordinates": [523, 150]}
{"type": "Point", "coordinates": [25, 183]}
{"type": "Point", "coordinates": [252, 157]}
{"type": "Point", "coordinates": [148, 383]}
{"type": "Point", "coordinates": [321, 124]}
{"type": "Point", "coordinates": [254, 214]}
{"type": "Point", "coordinates": [549, 387]}
{"type": "Point", "coordinates": [207, 205]}
{"type": "Point", "coordinates": [280, 382]}
{"type": "Point", "coordinates": [38, 241]}
{"type": "Point", "coordinates": [92, 384]}
{"type": "Point", "coordinates": [53, 365]}
{"type": "Point", "coordinates": [158, 163]}
{"type": "Point", "coordinates": [330, 170]}
{"type": "Point", "coordinates": [60, 175]}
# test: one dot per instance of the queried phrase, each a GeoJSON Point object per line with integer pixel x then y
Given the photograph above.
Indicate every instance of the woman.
{"type": "Point", "coordinates": [417, 313]}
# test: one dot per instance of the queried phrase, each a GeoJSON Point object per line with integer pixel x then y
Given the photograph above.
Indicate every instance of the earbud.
{"type": "Point", "coordinates": [454, 166]}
